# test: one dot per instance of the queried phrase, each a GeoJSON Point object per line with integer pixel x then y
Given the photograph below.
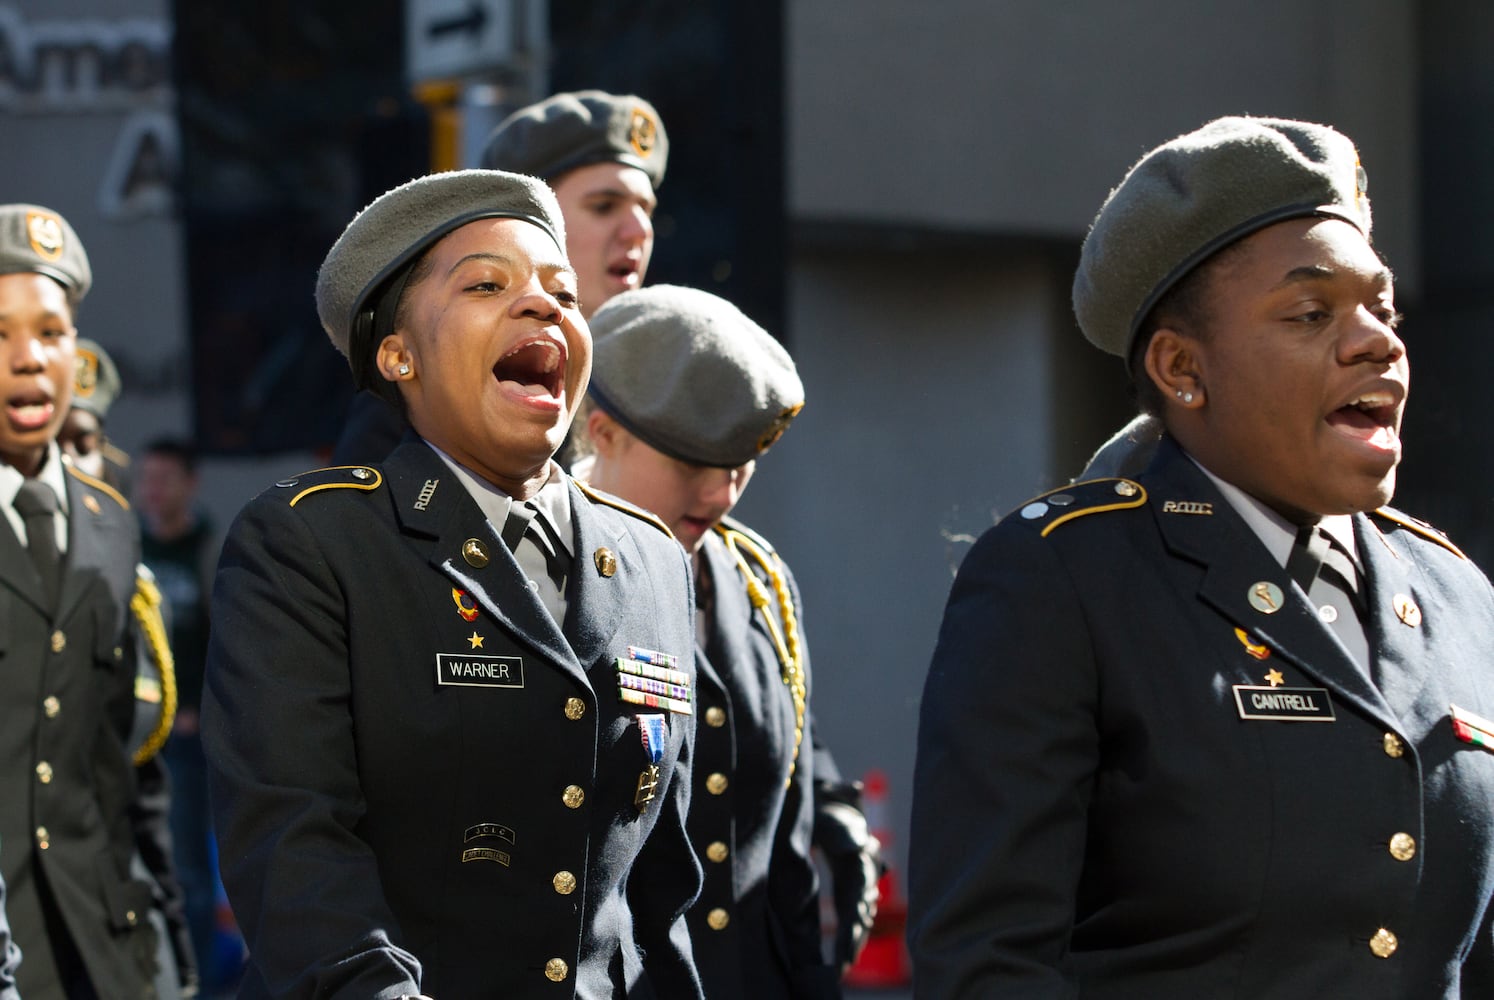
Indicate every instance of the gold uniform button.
{"type": "Point", "coordinates": [717, 851]}
{"type": "Point", "coordinates": [51, 706]}
{"type": "Point", "coordinates": [717, 919]}
{"type": "Point", "coordinates": [1383, 944]}
{"type": "Point", "coordinates": [59, 641]}
{"type": "Point", "coordinates": [573, 796]}
{"type": "Point", "coordinates": [1403, 847]}
{"type": "Point", "coordinates": [42, 839]}
{"type": "Point", "coordinates": [716, 783]}
{"type": "Point", "coordinates": [44, 772]}
{"type": "Point", "coordinates": [556, 970]}
{"type": "Point", "coordinates": [564, 883]}
{"type": "Point", "coordinates": [1394, 747]}
{"type": "Point", "coordinates": [574, 708]}
{"type": "Point", "coordinates": [131, 918]}
{"type": "Point", "coordinates": [715, 717]}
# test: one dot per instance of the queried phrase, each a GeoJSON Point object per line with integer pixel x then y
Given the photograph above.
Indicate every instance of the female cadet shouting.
{"type": "Point", "coordinates": [688, 393]}
{"type": "Point", "coordinates": [425, 775]}
{"type": "Point", "coordinates": [1220, 730]}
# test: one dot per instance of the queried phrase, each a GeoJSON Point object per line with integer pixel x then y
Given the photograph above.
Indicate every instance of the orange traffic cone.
{"type": "Point", "coordinates": [883, 963]}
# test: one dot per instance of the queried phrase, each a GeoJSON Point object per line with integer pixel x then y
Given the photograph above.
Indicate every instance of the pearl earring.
{"type": "Point", "coordinates": [404, 369]}
{"type": "Point", "coordinates": [1186, 397]}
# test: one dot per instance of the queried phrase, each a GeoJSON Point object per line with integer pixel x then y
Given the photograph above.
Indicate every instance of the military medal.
{"type": "Point", "coordinates": [651, 729]}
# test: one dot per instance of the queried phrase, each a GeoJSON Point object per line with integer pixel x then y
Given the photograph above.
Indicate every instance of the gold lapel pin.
{"type": "Point", "coordinates": [91, 503]}
{"type": "Point", "coordinates": [475, 552]}
{"type": "Point", "coordinates": [1266, 597]}
{"type": "Point", "coordinates": [605, 560]}
{"type": "Point", "coordinates": [1406, 610]}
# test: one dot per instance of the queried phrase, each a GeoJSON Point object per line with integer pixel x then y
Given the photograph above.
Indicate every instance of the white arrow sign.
{"type": "Point", "coordinates": [452, 38]}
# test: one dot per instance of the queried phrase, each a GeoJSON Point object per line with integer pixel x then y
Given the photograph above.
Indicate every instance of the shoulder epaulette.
{"type": "Point", "coordinates": [160, 689]}
{"type": "Point", "coordinates": [732, 524]}
{"type": "Point", "coordinates": [98, 484]}
{"type": "Point", "coordinates": [338, 477]}
{"type": "Point", "coordinates": [608, 500]}
{"type": "Point", "coordinates": [1420, 527]}
{"type": "Point", "coordinates": [1093, 496]}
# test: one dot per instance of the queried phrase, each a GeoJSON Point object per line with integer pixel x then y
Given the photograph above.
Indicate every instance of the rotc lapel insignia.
{"type": "Point", "coordinates": [605, 561]}
{"type": "Point", "coordinates": [488, 833]}
{"type": "Point", "coordinates": [646, 677]}
{"type": "Point", "coordinates": [1187, 507]}
{"type": "Point", "coordinates": [465, 605]}
{"type": "Point", "coordinates": [91, 503]}
{"type": "Point", "coordinates": [475, 552]}
{"type": "Point", "coordinates": [1406, 610]}
{"type": "Point", "coordinates": [426, 493]}
{"type": "Point", "coordinates": [1283, 704]}
{"type": "Point", "coordinates": [654, 734]}
{"type": "Point", "coordinates": [1472, 728]}
{"type": "Point", "coordinates": [1255, 649]}
{"type": "Point", "coordinates": [462, 670]}
{"type": "Point", "coordinates": [1266, 597]}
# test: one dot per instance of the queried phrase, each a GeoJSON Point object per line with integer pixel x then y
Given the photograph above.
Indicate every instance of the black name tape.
{"type": "Point", "coordinates": [479, 671]}
{"type": "Point", "coordinates": [1283, 704]}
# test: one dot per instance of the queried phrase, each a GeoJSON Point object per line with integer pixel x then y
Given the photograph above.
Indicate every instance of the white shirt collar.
{"type": "Point", "coordinates": [1276, 532]}
{"type": "Point", "coordinates": [553, 501]}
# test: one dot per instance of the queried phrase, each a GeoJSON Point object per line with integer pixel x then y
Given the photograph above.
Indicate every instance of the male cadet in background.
{"type": "Point", "coordinates": [1223, 729]}
{"type": "Point", "coordinates": [686, 394]}
{"type": "Point", "coordinates": [79, 903]}
{"type": "Point", "coordinates": [180, 548]}
{"type": "Point", "coordinates": [82, 437]}
{"type": "Point", "coordinates": [425, 770]}
{"type": "Point", "coordinates": [604, 157]}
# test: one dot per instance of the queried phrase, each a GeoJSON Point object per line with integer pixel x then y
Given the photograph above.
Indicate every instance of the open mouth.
{"type": "Point", "coordinates": [624, 270]}
{"type": "Point", "coordinates": [1370, 417]}
{"type": "Point", "coordinates": [29, 410]}
{"type": "Point", "coordinates": [534, 369]}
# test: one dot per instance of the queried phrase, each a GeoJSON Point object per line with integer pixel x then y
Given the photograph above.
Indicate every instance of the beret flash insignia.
{"type": "Point", "coordinates": [44, 233]}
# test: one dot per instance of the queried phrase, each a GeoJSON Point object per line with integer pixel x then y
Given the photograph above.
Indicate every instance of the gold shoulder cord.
{"type": "Point", "coordinates": [786, 642]}
{"type": "Point", "coordinates": [146, 606]}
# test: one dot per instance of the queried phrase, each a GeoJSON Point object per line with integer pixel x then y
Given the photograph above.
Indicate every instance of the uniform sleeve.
{"type": "Point", "coordinates": [666, 877]}
{"type": "Point", "coordinates": [283, 777]}
{"type": "Point", "coordinates": [793, 885]}
{"type": "Point", "coordinates": [1007, 752]}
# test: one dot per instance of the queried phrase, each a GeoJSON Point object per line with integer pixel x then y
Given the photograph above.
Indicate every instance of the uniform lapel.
{"type": "Point", "coordinates": [86, 546]}
{"type": "Point", "coordinates": [594, 602]}
{"type": "Point", "coordinates": [728, 605]}
{"type": "Point", "coordinates": [1396, 646]}
{"type": "Point", "coordinates": [431, 503]}
{"type": "Point", "coordinates": [1235, 563]}
{"type": "Point", "coordinates": [17, 571]}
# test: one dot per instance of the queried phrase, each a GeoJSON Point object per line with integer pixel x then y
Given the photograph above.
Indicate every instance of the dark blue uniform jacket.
{"type": "Point", "coordinates": [1095, 816]}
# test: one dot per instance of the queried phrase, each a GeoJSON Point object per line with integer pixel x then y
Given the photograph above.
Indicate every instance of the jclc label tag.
{"type": "Point", "coordinates": [1283, 704]}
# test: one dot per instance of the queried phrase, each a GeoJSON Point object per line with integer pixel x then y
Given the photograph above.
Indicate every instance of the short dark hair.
{"type": "Point", "coordinates": [177, 449]}
{"type": "Point", "coordinates": [1185, 306]}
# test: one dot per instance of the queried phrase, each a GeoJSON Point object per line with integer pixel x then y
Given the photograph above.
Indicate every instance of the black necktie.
{"type": "Point", "coordinates": [37, 505]}
{"type": "Point", "coordinates": [523, 519]}
{"type": "Point", "coordinates": [1318, 554]}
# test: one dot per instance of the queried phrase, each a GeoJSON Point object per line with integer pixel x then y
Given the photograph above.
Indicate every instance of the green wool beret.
{"type": "Point", "coordinates": [691, 376]}
{"type": "Point", "coordinates": [567, 131]}
{"type": "Point", "coordinates": [373, 254]}
{"type": "Point", "coordinates": [1197, 194]}
{"type": "Point", "coordinates": [37, 239]}
{"type": "Point", "coordinates": [96, 380]}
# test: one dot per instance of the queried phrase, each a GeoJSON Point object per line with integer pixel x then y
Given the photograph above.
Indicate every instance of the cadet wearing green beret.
{"type": "Point", "coordinates": [477, 676]}
{"type": "Point", "coordinates": [604, 156]}
{"type": "Point", "coordinates": [1222, 727]}
{"type": "Point", "coordinates": [82, 438]}
{"type": "Point", "coordinates": [687, 394]}
{"type": "Point", "coordinates": [77, 821]}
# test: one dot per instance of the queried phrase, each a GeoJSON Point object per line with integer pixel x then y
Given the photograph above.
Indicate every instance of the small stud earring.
{"type": "Point", "coordinates": [404, 369]}
{"type": "Point", "coordinates": [1187, 397]}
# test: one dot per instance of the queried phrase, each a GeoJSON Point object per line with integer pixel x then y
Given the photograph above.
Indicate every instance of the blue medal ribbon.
{"type": "Point", "coordinates": [655, 736]}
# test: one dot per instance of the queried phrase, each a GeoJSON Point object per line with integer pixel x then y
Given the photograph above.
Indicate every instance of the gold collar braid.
{"type": "Point", "coordinates": [785, 642]}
